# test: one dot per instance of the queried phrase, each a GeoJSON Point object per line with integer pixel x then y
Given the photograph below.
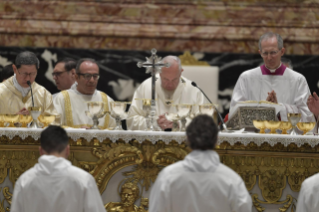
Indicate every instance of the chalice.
{"type": "Point", "coordinates": [25, 120]}
{"type": "Point", "coordinates": [118, 112]}
{"type": "Point", "coordinates": [306, 126]}
{"type": "Point", "coordinates": [11, 119]}
{"type": "Point", "coordinates": [35, 113]}
{"type": "Point", "coordinates": [1, 121]}
{"type": "Point", "coordinates": [95, 111]}
{"type": "Point", "coordinates": [260, 124]}
{"type": "Point", "coordinates": [173, 118]}
{"type": "Point", "coordinates": [183, 111]}
{"type": "Point", "coordinates": [207, 109]}
{"type": "Point", "coordinates": [285, 125]}
{"type": "Point", "coordinates": [294, 118]}
{"type": "Point", "coordinates": [272, 125]}
{"type": "Point", "coordinates": [194, 111]}
{"type": "Point", "coordinates": [151, 122]}
{"type": "Point", "coordinates": [46, 120]}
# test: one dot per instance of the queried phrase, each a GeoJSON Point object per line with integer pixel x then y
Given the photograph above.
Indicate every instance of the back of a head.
{"type": "Point", "coordinates": [27, 58]}
{"type": "Point", "coordinates": [7, 72]}
{"type": "Point", "coordinates": [202, 133]}
{"type": "Point", "coordinates": [54, 139]}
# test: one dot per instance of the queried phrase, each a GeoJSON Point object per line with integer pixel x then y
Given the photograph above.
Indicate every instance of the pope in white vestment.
{"type": "Point", "coordinates": [273, 82]}
{"type": "Point", "coordinates": [72, 104]}
{"type": "Point", "coordinates": [73, 188]}
{"type": "Point", "coordinates": [168, 86]}
{"type": "Point", "coordinates": [308, 195]}
{"type": "Point", "coordinates": [200, 182]}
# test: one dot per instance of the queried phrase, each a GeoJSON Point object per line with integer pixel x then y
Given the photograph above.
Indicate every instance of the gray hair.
{"type": "Point", "coordinates": [27, 58]}
{"type": "Point", "coordinates": [171, 58]}
{"type": "Point", "coordinates": [77, 69]}
{"type": "Point", "coordinates": [269, 35]}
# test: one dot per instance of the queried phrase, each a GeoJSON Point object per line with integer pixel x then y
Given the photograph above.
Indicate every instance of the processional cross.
{"type": "Point", "coordinates": [153, 65]}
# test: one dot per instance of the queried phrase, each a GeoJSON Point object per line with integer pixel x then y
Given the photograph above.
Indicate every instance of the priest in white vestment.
{"type": "Point", "coordinates": [200, 182]}
{"type": "Point", "coordinates": [171, 88]}
{"type": "Point", "coordinates": [54, 184]}
{"type": "Point", "coordinates": [72, 103]}
{"type": "Point", "coordinates": [273, 82]}
{"type": "Point", "coordinates": [15, 93]}
{"type": "Point", "coordinates": [64, 74]}
{"type": "Point", "coordinates": [308, 196]}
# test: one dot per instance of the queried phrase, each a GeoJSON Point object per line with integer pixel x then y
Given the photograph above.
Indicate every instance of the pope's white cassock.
{"type": "Point", "coordinates": [185, 93]}
{"type": "Point", "coordinates": [72, 104]}
{"type": "Point", "coordinates": [291, 89]}
{"type": "Point", "coordinates": [308, 195]}
{"type": "Point", "coordinates": [13, 97]}
{"type": "Point", "coordinates": [199, 183]}
{"type": "Point", "coordinates": [53, 184]}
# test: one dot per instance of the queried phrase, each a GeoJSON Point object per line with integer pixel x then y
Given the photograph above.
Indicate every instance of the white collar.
{"type": "Point", "coordinates": [23, 91]}
{"type": "Point", "coordinates": [273, 70]}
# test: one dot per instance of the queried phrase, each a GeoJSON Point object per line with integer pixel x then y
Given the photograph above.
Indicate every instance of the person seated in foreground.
{"type": "Point", "coordinates": [54, 184]}
{"type": "Point", "coordinates": [200, 182]}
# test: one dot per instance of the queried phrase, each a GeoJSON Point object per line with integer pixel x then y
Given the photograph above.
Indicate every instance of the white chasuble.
{"type": "Point", "coordinates": [308, 195]}
{"type": "Point", "coordinates": [72, 104]}
{"type": "Point", "coordinates": [12, 101]}
{"type": "Point", "coordinates": [199, 183]}
{"type": "Point", "coordinates": [185, 93]}
{"type": "Point", "coordinates": [291, 89]}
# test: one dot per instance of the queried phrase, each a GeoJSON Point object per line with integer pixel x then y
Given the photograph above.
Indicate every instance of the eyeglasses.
{"type": "Point", "coordinates": [57, 74]}
{"type": "Point", "coordinates": [272, 53]}
{"type": "Point", "coordinates": [89, 76]}
{"type": "Point", "coordinates": [25, 75]}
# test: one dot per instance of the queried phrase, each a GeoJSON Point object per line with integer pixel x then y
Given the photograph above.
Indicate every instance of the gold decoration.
{"type": "Point", "coordinates": [189, 60]}
{"type": "Point", "coordinates": [129, 194]}
{"type": "Point", "coordinates": [289, 202]}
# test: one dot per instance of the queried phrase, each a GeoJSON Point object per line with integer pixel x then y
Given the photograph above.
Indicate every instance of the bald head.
{"type": "Point", "coordinates": [170, 76]}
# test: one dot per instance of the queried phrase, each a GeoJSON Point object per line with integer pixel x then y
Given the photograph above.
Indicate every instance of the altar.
{"type": "Point", "coordinates": [272, 166]}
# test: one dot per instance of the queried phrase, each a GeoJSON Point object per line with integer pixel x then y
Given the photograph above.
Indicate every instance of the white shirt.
{"type": "Point", "coordinates": [291, 89]}
{"type": "Point", "coordinates": [199, 183]}
{"type": "Point", "coordinates": [308, 195]}
{"type": "Point", "coordinates": [53, 185]}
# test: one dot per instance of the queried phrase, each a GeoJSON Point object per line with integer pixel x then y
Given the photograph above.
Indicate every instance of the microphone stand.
{"type": "Point", "coordinates": [223, 125]}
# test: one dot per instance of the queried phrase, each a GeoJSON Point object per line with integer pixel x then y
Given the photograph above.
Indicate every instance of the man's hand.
{"type": "Point", "coordinates": [313, 104]}
{"type": "Point", "coordinates": [272, 97]}
{"type": "Point", "coordinates": [23, 111]}
{"type": "Point", "coordinates": [163, 123]}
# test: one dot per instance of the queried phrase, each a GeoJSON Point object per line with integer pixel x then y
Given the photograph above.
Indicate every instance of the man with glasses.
{"type": "Point", "coordinates": [15, 95]}
{"type": "Point", "coordinates": [64, 74]}
{"type": "Point", "coordinates": [72, 103]}
{"type": "Point", "coordinates": [273, 81]}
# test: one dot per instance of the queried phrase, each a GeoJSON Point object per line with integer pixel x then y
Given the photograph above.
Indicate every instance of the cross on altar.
{"type": "Point", "coordinates": [153, 65]}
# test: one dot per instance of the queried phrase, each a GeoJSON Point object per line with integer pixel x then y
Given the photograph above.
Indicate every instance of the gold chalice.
{"type": "Point", "coordinates": [118, 112]}
{"type": "Point", "coordinates": [46, 119]}
{"type": "Point", "coordinates": [306, 126]}
{"type": "Point", "coordinates": [294, 118]}
{"type": "Point", "coordinates": [260, 124]}
{"type": "Point", "coordinates": [285, 125]}
{"type": "Point", "coordinates": [25, 120]}
{"type": "Point", "coordinates": [1, 121]}
{"type": "Point", "coordinates": [207, 109]}
{"type": "Point", "coordinates": [35, 113]}
{"type": "Point", "coordinates": [173, 118]}
{"type": "Point", "coordinates": [11, 119]}
{"type": "Point", "coordinates": [95, 111]}
{"type": "Point", "coordinates": [194, 112]}
{"type": "Point", "coordinates": [183, 111]}
{"type": "Point", "coordinates": [272, 125]}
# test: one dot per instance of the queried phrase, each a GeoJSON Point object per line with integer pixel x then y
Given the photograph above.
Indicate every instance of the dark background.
{"type": "Point", "coordinates": [115, 65]}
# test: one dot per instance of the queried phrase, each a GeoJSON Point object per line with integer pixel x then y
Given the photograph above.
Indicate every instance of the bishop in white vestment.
{"type": "Point", "coordinates": [273, 82]}
{"type": "Point", "coordinates": [171, 88]}
{"type": "Point", "coordinates": [200, 182]}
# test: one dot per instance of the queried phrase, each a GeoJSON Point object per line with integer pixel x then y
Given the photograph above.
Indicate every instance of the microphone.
{"type": "Point", "coordinates": [220, 116]}
{"type": "Point", "coordinates": [29, 83]}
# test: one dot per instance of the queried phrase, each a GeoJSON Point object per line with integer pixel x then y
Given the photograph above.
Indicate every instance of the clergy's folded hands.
{"type": "Point", "coordinates": [272, 97]}
{"type": "Point", "coordinates": [163, 123]}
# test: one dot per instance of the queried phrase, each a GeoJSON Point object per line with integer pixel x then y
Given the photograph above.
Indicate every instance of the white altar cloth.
{"type": "Point", "coordinates": [114, 135]}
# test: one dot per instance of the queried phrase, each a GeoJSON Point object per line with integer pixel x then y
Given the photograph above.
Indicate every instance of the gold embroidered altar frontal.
{"type": "Point", "coordinates": [272, 166]}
